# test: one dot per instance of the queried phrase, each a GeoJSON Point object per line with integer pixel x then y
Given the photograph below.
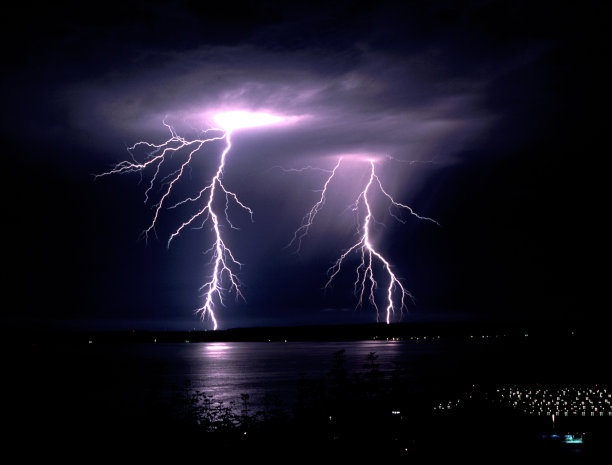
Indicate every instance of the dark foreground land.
{"type": "Point", "coordinates": [489, 412]}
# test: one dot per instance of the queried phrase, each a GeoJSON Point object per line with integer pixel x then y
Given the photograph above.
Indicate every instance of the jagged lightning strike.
{"type": "Point", "coordinates": [222, 258]}
{"type": "Point", "coordinates": [365, 281]}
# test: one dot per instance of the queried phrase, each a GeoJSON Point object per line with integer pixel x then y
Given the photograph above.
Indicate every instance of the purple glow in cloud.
{"type": "Point", "coordinates": [371, 105]}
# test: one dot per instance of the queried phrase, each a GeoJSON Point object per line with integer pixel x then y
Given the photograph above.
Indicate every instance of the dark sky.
{"type": "Point", "coordinates": [489, 116]}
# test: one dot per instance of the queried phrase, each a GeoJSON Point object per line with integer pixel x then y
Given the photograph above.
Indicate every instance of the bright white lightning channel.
{"type": "Point", "coordinates": [365, 283]}
{"type": "Point", "coordinates": [223, 260]}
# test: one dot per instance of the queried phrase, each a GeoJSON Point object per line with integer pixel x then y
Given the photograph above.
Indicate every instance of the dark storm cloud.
{"type": "Point", "coordinates": [501, 96]}
{"type": "Point", "coordinates": [359, 100]}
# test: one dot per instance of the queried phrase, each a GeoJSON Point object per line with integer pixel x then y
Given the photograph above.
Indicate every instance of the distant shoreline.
{"type": "Point", "coordinates": [470, 331]}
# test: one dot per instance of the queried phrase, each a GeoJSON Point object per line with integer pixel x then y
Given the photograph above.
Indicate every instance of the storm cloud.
{"type": "Point", "coordinates": [475, 111]}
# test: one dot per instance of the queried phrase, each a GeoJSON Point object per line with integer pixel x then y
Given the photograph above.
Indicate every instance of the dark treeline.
{"type": "Point", "coordinates": [378, 414]}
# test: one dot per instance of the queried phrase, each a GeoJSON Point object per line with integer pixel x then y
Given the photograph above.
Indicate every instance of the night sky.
{"type": "Point", "coordinates": [489, 116]}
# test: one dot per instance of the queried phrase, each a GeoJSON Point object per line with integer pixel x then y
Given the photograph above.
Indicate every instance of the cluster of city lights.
{"type": "Point", "coordinates": [542, 401]}
{"type": "Point", "coordinates": [566, 401]}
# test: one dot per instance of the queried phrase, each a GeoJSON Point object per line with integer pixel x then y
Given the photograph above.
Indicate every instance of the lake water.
{"type": "Point", "coordinates": [99, 397]}
{"type": "Point", "coordinates": [126, 372]}
{"type": "Point", "coordinates": [91, 380]}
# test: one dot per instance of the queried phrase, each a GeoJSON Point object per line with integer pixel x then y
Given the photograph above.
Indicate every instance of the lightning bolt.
{"type": "Point", "coordinates": [308, 219]}
{"type": "Point", "coordinates": [365, 284]}
{"type": "Point", "coordinates": [223, 261]}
